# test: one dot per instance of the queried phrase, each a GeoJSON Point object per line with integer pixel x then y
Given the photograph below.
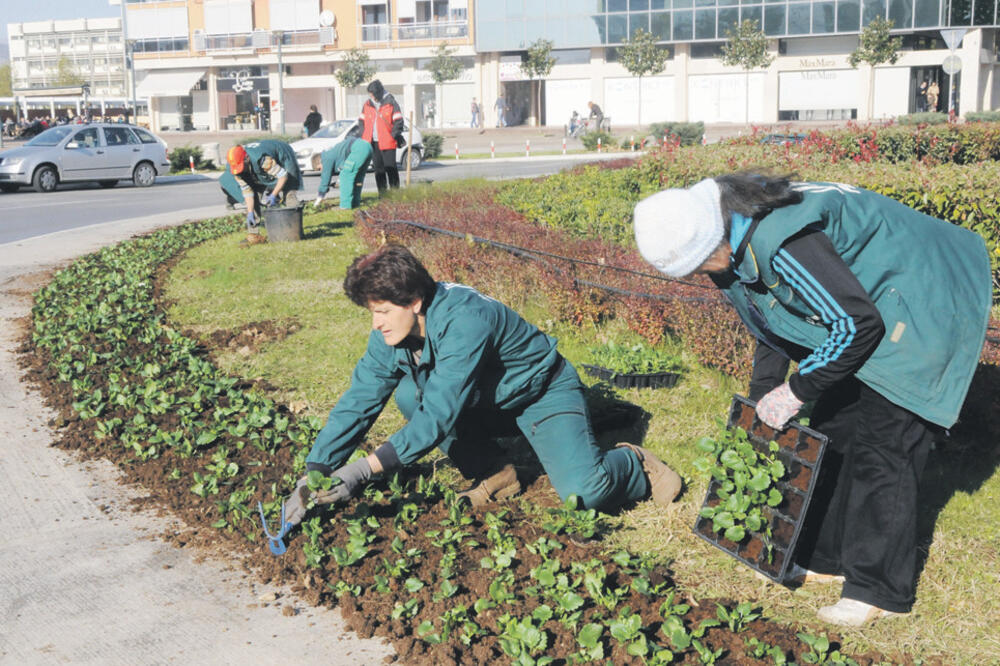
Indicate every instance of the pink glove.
{"type": "Point", "coordinates": [778, 406]}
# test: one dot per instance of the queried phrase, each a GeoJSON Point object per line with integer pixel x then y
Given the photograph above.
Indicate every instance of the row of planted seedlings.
{"type": "Point", "coordinates": [405, 561]}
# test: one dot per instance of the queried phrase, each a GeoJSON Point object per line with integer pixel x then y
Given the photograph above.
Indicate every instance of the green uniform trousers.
{"type": "Point", "coordinates": [558, 429]}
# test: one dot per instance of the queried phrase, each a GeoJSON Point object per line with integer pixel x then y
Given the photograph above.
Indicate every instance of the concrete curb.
{"type": "Point", "coordinates": [85, 579]}
{"type": "Point", "coordinates": [577, 157]}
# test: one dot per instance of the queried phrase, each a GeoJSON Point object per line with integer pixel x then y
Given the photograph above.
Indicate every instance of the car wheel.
{"type": "Point", "coordinates": [415, 159]}
{"type": "Point", "coordinates": [107, 184]}
{"type": "Point", "coordinates": [144, 174]}
{"type": "Point", "coordinates": [9, 187]}
{"type": "Point", "coordinates": [46, 178]}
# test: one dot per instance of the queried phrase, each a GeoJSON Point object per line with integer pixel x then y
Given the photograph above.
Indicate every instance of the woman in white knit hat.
{"type": "Point", "coordinates": [884, 309]}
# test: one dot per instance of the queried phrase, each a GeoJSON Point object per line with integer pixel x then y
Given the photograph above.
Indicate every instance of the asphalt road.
{"type": "Point", "coordinates": [29, 214]}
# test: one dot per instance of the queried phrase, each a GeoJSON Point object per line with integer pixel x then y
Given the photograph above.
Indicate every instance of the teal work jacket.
{"type": "Point", "coordinates": [929, 279]}
{"type": "Point", "coordinates": [477, 352]}
{"type": "Point", "coordinates": [349, 156]}
{"type": "Point", "coordinates": [280, 151]}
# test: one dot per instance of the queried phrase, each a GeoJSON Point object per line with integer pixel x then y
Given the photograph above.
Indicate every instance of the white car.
{"type": "Point", "coordinates": [101, 152]}
{"type": "Point", "coordinates": [330, 135]}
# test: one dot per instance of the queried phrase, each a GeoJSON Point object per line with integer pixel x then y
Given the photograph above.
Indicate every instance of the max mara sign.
{"type": "Point", "coordinates": [817, 63]}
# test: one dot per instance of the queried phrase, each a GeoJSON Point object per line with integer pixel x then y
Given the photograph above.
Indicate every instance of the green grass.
{"type": "Point", "coordinates": [220, 286]}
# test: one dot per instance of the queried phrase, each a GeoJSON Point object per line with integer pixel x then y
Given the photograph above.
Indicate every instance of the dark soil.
{"type": "Point", "coordinates": [248, 339]}
{"type": "Point", "coordinates": [165, 480]}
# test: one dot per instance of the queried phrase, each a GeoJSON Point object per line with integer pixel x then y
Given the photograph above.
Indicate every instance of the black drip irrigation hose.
{"type": "Point", "coordinates": [535, 255]}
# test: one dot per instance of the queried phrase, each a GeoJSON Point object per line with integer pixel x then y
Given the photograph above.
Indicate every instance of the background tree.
{"type": "Point", "coordinates": [537, 63]}
{"type": "Point", "coordinates": [875, 46]}
{"type": "Point", "coordinates": [444, 66]}
{"type": "Point", "coordinates": [6, 81]}
{"type": "Point", "coordinates": [641, 56]}
{"type": "Point", "coordinates": [67, 74]}
{"type": "Point", "coordinates": [746, 47]}
{"type": "Point", "coordinates": [357, 68]}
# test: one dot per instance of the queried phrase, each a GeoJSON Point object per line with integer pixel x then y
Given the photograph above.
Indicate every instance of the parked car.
{"type": "Point", "coordinates": [330, 135]}
{"type": "Point", "coordinates": [101, 152]}
{"type": "Point", "coordinates": [784, 139]}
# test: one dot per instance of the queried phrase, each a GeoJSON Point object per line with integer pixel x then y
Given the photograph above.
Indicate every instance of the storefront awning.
{"type": "Point", "coordinates": [169, 83]}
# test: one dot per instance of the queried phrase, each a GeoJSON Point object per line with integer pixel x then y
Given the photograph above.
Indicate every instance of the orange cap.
{"type": "Point", "coordinates": [236, 157]}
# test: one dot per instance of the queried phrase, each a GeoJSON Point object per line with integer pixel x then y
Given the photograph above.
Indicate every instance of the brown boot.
{"type": "Point", "coordinates": [497, 486]}
{"type": "Point", "coordinates": [252, 239]}
{"type": "Point", "coordinates": [664, 483]}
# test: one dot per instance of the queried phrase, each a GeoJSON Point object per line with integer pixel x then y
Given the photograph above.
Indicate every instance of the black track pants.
{"type": "Point", "coordinates": [384, 162]}
{"type": "Point", "coordinates": [862, 521]}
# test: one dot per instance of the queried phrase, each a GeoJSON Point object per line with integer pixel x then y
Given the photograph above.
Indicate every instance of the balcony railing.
{"type": "Point", "coordinates": [400, 33]}
{"type": "Point", "coordinates": [263, 39]}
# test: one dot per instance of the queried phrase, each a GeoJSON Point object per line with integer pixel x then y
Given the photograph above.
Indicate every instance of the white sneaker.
{"type": "Point", "coordinates": [853, 613]}
{"type": "Point", "coordinates": [802, 576]}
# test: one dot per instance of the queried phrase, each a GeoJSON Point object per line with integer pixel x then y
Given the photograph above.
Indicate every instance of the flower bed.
{"type": "Point", "coordinates": [405, 561]}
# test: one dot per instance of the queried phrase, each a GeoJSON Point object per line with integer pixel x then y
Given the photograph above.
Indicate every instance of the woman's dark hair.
{"type": "Point", "coordinates": [376, 88]}
{"type": "Point", "coordinates": [390, 273]}
{"type": "Point", "coordinates": [754, 194]}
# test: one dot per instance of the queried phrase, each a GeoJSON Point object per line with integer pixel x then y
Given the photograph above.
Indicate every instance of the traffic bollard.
{"type": "Point", "coordinates": [456, 150]}
{"type": "Point", "coordinates": [527, 148]}
{"type": "Point", "coordinates": [598, 144]}
{"type": "Point", "coordinates": [564, 145]}
{"type": "Point", "coordinates": [633, 143]}
{"type": "Point", "coordinates": [191, 162]}
{"type": "Point", "coordinates": [493, 151]}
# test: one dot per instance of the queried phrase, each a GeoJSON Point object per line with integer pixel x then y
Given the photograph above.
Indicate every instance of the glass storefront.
{"type": "Point", "coordinates": [502, 26]}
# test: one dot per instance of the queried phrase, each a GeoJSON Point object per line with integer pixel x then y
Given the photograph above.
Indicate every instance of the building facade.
{"type": "Point", "coordinates": [810, 77]}
{"type": "Point", "coordinates": [51, 54]}
{"type": "Point", "coordinates": [214, 64]}
{"type": "Point", "coordinates": [260, 64]}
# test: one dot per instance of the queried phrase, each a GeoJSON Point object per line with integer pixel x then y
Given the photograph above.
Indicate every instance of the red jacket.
{"type": "Point", "coordinates": [389, 118]}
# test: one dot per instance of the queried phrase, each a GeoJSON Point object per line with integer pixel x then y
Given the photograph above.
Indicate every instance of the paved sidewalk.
{"type": "Point", "coordinates": [83, 578]}
{"type": "Point", "coordinates": [504, 139]}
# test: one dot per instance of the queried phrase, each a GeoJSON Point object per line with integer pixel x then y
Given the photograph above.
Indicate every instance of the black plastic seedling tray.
{"type": "Point", "coordinates": [623, 380]}
{"type": "Point", "coordinates": [801, 451]}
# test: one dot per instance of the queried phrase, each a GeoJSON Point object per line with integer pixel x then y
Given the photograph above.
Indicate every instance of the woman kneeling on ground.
{"type": "Point", "coordinates": [463, 367]}
{"type": "Point", "coordinates": [884, 308]}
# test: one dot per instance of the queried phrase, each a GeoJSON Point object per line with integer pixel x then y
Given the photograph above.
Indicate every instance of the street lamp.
{"type": "Point", "coordinates": [281, 82]}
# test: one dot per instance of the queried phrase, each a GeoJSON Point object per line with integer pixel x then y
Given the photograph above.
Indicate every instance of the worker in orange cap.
{"type": "Point", "coordinates": [261, 172]}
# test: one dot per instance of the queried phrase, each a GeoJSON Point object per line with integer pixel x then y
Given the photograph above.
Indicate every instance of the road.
{"type": "Point", "coordinates": [29, 214]}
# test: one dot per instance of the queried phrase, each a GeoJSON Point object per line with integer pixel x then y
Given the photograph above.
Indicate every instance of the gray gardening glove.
{"type": "Point", "coordinates": [352, 477]}
{"type": "Point", "coordinates": [295, 505]}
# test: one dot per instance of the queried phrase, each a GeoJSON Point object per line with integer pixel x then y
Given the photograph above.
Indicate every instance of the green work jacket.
{"type": "Point", "coordinates": [337, 159]}
{"type": "Point", "coordinates": [477, 352]}
{"type": "Point", "coordinates": [929, 279]}
{"type": "Point", "coordinates": [280, 151]}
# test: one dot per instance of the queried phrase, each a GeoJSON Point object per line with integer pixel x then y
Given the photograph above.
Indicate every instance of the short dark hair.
{"type": "Point", "coordinates": [376, 88]}
{"type": "Point", "coordinates": [390, 273]}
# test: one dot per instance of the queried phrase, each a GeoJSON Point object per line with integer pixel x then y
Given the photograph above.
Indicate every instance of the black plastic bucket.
{"type": "Point", "coordinates": [283, 224]}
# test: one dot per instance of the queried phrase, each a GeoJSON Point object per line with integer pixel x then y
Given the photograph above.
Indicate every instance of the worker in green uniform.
{"type": "Point", "coordinates": [263, 172]}
{"type": "Point", "coordinates": [884, 309]}
{"type": "Point", "coordinates": [462, 367]}
{"type": "Point", "coordinates": [349, 158]}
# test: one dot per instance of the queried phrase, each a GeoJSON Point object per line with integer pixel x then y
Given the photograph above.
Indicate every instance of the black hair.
{"type": "Point", "coordinates": [376, 88]}
{"type": "Point", "coordinates": [754, 194]}
{"type": "Point", "coordinates": [390, 273]}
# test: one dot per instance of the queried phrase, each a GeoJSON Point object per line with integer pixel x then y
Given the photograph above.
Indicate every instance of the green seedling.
{"type": "Point", "coordinates": [737, 618]}
{"type": "Point", "coordinates": [589, 640]}
{"type": "Point", "coordinates": [819, 651]}
{"type": "Point", "coordinates": [634, 359]}
{"type": "Point", "coordinates": [706, 654]}
{"type": "Point", "coordinates": [523, 641]}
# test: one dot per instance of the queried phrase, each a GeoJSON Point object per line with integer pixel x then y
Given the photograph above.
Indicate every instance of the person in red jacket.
{"type": "Point", "coordinates": [383, 127]}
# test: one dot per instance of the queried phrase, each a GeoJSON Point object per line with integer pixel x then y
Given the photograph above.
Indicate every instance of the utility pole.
{"type": "Point", "coordinates": [125, 65]}
{"type": "Point", "coordinates": [281, 82]}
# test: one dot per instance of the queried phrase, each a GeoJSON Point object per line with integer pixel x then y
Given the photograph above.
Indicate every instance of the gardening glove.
{"type": "Point", "coordinates": [778, 406]}
{"type": "Point", "coordinates": [318, 201]}
{"type": "Point", "coordinates": [352, 477]}
{"type": "Point", "coordinates": [251, 219]}
{"type": "Point", "coordinates": [295, 505]}
{"type": "Point", "coordinates": [270, 200]}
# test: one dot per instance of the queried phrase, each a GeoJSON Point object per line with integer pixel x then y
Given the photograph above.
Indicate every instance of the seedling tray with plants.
{"type": "Point", "coordinates": [762, 481]}
{"type": "Point", "coordinates": [635, 366]}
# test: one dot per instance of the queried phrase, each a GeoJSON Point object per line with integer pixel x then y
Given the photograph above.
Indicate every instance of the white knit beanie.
{"type": "Point", "coordinates": [677, 230]}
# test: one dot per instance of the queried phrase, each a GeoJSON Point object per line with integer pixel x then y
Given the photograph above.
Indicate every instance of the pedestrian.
{"type": "Point", "coordinates": [884, 308]}
{"type": "Point", "coordinates": [500, 106]}
{"type": "Point", "coordinates": [383, 127]}
{"type": "Point", "coordinates": [313, 121]}
{"type": "Point", "coordinates": [260, 173]}
{"type": "Point", "coordinates": [464, 369]}
{"type": "Point", "coordinates": [349, 158]}
{"type": "Point", "coordinates": [922, 96]}
{"type": "Point", "coordinates": [596, 116]}
{"type": "Point", "coordinates": [933, 92]}
{"type": "Point", "coordinates": [475, 114]}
